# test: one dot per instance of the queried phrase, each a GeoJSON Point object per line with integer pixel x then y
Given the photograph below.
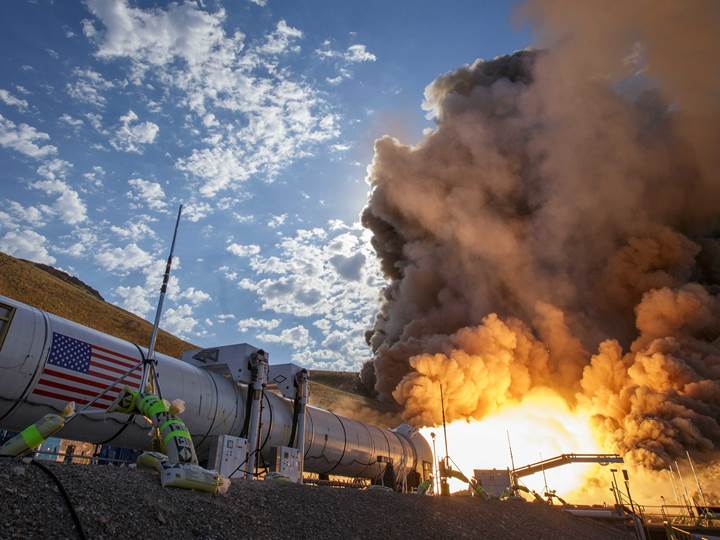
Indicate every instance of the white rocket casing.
{"type": "Point", "coordinates": [214, 405]}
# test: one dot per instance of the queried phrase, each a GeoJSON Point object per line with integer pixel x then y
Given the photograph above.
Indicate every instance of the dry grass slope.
{"type": "Point", "coordinates": [24, 281]}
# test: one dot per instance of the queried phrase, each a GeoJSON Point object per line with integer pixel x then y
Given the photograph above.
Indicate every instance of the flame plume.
{"type": "Point", "coordinates": [559, 231]}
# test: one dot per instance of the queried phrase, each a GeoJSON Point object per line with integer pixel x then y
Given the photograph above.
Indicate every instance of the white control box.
{"type": "Point", "coordinates": [287, 463]}
{"type": "Point", "coordinates": [228, 456]}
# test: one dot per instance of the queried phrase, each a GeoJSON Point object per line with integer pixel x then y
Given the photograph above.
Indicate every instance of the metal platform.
{"type": "Point", "coordinates": [565, 459]}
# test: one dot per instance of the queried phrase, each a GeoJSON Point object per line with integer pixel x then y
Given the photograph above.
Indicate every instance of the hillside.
{"type": "Point", "coordinates": [67, 296]}
{"type": "Point", "coordinates": [26, 282]}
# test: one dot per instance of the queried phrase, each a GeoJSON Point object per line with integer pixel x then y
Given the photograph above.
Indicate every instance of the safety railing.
{"type": "Point", "coordinates": [674, 533]}
{"type": "Point", "coordinates": [70, 457]}
{"type": "Point", "coordinates": [681, 515]}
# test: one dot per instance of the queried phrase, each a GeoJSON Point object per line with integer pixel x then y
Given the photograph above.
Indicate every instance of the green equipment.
{"type": "Point", "coordinates": [177, 464]}
{"type": "Point", "coordinates": [446, 471]}
{"type": "Point", "coordinates": [173, 436]}
{"type": "Point", "coordinates": [33, 436]}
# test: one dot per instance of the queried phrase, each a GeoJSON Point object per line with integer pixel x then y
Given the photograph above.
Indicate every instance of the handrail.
{"type": "Point", "coordinates": [670, 531]}
{"type": "Point", "coordinates": [90, 459]}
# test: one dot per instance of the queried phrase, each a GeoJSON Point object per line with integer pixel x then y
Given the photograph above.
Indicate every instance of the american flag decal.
{"type": "Point", "coordinates": [79, 371]}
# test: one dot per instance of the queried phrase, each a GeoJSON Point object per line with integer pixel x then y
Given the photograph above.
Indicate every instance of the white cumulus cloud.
{"type": "Point", "coordinates": [296, 337]}
{"type": "Point", "coordinates": [277, 221]}
{"type": "Point", "coordinates": [281, 39]}
{"type": "Point", "coordinates": [68, 205]}
{"type": "Point", "coordinates": [25, 139]}
{"type": "Point", "coordinates": [150, 194]}
{"type": "Point", "coordinates": [134, 299]}
{"type": "Point", "coordinates": [329, 274]}
{"type": "Point", "coordinates": [241, 250]}
{"type": "Point", "coordinates": [88, 87]}
{"type": "Point", "coordinates": [359, 53]}
{"type": "Point", "coordinates": [196, 210]}
{"type": "Point", "coordinates": [130, 257]}
{"type": "Point", "coordinates": [26, 244]}
{"type": "Point", "coordinates": [263, 114]}
{"type": "Point", "coordinates": [244, 325]}
{"type": "Point", "coordinates": [194, 296]}
{"type": "Point", "coordinates": [35, 216]}
{"type": "Point", "coordinates": [354, 54]}
{"type": "Point", "coordinates": [9, 99]}
{"type": "Point", "coordinates": [71, 121]}
{"type": "Point", "coordinates": [135, 229]}
{"type": "Point", "coordinates": [179, 321]}
{"type": "Point", "coordinates": [132, 135]}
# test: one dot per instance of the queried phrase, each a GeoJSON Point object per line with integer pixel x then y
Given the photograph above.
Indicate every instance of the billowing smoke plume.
{"type": "Point", "coordinates": [567, 202]}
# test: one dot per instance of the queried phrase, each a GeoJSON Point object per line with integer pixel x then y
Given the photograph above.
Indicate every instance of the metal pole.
{"type": "Point", "coordinates": [637, 518]}
{"type": "Point", "coordinates": [436, 479]}
{"type": "Point", "coordinates": [303, 389]}
{"type": "Point", "coordinates": [442, 406]}
{"type": "Point", "coordinates": [158, 312]}
{"type": "Point", "coordinates": [612, 489]}
{"type": "Point", "coordinates": [542, 468]}
{"type": "Point", "coordinates": [512, 463]}
{"type": "Point", "coordinates": [512, 459]}
{"type": "Point", "coordinates": [672, 483]}
{"type": "Point", "coordinates": [687, 496]}
{"type": "Point", "coordinates": [616, 490]}
{"type": "Point", "coordinates": [444, 487]}
{"type": "Point", "coordinates": [697, 482]}
{"type": "Point", "coordinates": [627, 488]}
{"type": "Point", "coordinates": [259, 370]}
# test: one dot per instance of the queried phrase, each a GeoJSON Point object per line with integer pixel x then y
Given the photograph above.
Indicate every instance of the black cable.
{"type": "Point", "coordinates": [65, 496]}
{"type": "Point", "coordinates": [270, 420]}
{"type": "Point", "coordinates": [296, 417]}
{"type": "Point", "coordinates": [246, 421]}
{"type": "Point", "coordinates": [243, 462]}
{"type": "Point", "coordinates": [258, 450]}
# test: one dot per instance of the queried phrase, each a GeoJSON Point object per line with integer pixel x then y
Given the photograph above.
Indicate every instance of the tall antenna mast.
{"type": "Point", "coordinates": [445, 465]}
{"type": "Point", "coordinates": [672, 483]}
{"type": "Point", "coordinates": [150, 360]}
{"type": "Point", "coordinates": [442, 406]}
{"type": "Point", "coordinates": [688, 500]}
{"type": "Point", "coordinates": [697, 482]}
{"type": "Point", "coordinates": [512, 459]}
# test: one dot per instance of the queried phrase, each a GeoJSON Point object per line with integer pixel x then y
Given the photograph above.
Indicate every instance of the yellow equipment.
{"type": "Point", "coordinates": [33, 436]}
{"type": "Point", "coordinates": [174, 438]}
{"type": "Point", "coordinates": [425, 487]}
{"type": "Point", "coordinates": [178, 465]}
{"type": "Point", "coordinates": [446, 471]}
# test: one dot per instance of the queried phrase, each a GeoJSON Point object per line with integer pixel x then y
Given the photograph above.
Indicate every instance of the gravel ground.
{"type": "Point", "coordinates": [114, 502]}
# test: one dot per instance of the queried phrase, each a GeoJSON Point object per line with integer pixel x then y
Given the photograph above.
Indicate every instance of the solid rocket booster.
{"type": "Point", "coordinates": [31, 386]}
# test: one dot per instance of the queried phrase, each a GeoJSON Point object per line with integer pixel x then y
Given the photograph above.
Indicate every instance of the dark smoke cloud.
{"type": "Point", "coordinates": [568, 201]}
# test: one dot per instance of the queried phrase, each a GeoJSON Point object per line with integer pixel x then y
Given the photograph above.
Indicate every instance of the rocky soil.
{"type": "Point", "coordinates": [120, 502]}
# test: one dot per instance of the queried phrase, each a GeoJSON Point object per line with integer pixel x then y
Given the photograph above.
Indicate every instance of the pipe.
{"type": "Point", "coordinates": [33, 383]}
{"type": "Point", "coordinates": [259, 369]}
{"type": "Point", "coordinates": [697, 481]}
{"type": "Point", "coordinates": [595, 513]}
{"type": "Point", "coordinates": [299, 422]}
{"type": "Point", "coordinates": [688, 501]}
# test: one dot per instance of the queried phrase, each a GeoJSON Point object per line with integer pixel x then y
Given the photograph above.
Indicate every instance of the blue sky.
{"type": "Point", "coordinates": [258, 115]}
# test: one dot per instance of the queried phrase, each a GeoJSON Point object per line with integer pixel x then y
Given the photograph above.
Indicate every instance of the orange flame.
{"type": "Point", "coordinates": [540, 426]}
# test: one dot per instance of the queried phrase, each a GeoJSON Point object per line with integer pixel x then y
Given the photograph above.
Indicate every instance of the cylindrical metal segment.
{"type": "Point", "coordinates": [214, 404]}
